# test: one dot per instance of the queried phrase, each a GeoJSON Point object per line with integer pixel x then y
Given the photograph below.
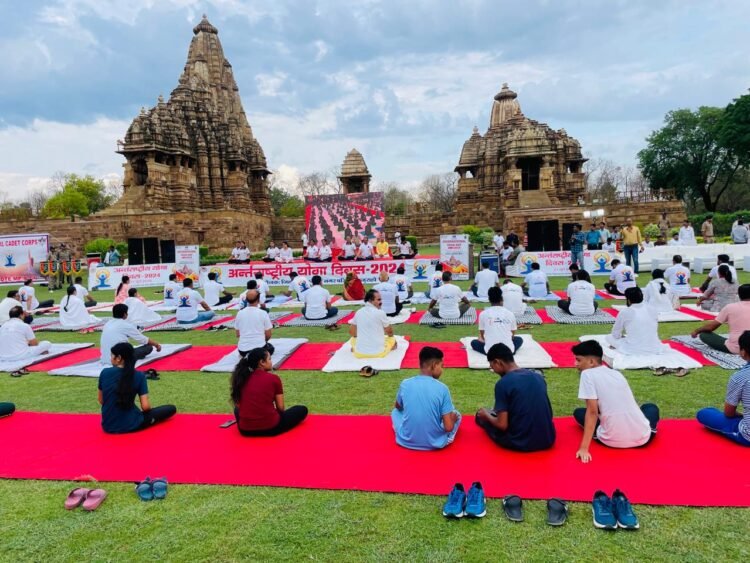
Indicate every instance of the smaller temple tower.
{"type": "Point", "coordinates": [355, 177]}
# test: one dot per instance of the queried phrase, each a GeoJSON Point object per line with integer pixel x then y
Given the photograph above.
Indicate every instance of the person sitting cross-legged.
{"type": "Point", "coordinates": [392, 305]}
{"type": "Point", "coordinates": [423, 416]}
{"type": "Point", "coordinates": [721, 260]}
{"type": "Point", "coordinates": [436, 280]}
{"type": "Point", "coordinates": [581, 301]}
{"type": "Point", "coordinates": [120, 330]}
{"type": "Point", "coordinates": [736, 316]}
{"type": "Point", "coordinates": [513, 297]}
{"type": "Point", "coordinates": [448, 301]}
{"type": "Point", "coordinates": [521, 419]}
{"type": "Point", "coordinates": [171, 289]}
{"type": "Point", "coordinates": [82, 293]}
{"type": "Point", "coordinates": [536, 283]}
{"type": "Point", "coordinates": [18, 339]}
{"type": "Point", "coordinates": [272, 252]}
{"type": "Point", "coordinates": [678, 276]}
{"type": "Point", "coordinates": [138, 312]}
{"type": "Point", "coordinates": [253, 325]}
{"type": "Point", "coordinates": [721, 291]}
{"type": "Point", "coordinates": [621, 278]}
{"type": "Point", "coordinates": [403, 284]}
{"type": "Point", "coordinates": [317, 302]}
{"type": "Point", "coordinates": [214, 292]}
{"type": "Point", "coordinates": [658, 294]}
{"type": "Point", "coordinates": [188, 301]}
{"type": "Point", "coordinates": [354, 290]}
{"type": "Point", "coordinates": [729, 423]}
{"type": "Point", "coordinates": [13, 299]}
{"type": "Point", "coordinates": [372, 334]}
{"type": "Point", "coordinates": [496, 324]}
{"type": "Point", "coordinates": [118, 387]}
{"type": "Point", "coordinates": [636, 329]}
{"type": "Point", "coordinates": [484, 280]}
{"type": "Point", "coordinates": [29, 300]}
{"type": "Point", "coordinates": [73, 312]}
{"type": "Point", "coordinates": [258, 397]}
{"type": "Point", "coordinates": [405, 249]}
{"type": "Point", "coordinates": [612, 417]}
{"type": "Point", "coordinates": [382, 248]}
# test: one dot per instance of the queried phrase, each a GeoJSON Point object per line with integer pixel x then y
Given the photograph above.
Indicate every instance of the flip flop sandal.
{"type": "Point", "coordinates": [680, 372]}
{"type": "Point", "coordinates": [94, 499]}
{"type": "Point", "coordinates": [144, 490]}
{"type": "Point", "coordinates": [76, 498]}
{"type": "Point", "coordinates": [513, 508]}
{"type": "Point", "coordinates": [368, 371]}
{"type": "Point", "coordinates": [212, 329]}
{"type": "Point", "coordinates": [557, 512]}
{"type": "Point", "coordinates": [160, 488]}
{"type": "Point", "coordinates": [438, 325]}
{"type": "Point", "coordinates": [333, 327]}
{"type": "Point", "coordinates": [20, 372]}
{"type": "Point", "coordinates": [152, 374]}
{"type": "Point", "coordinates": [660, 371]}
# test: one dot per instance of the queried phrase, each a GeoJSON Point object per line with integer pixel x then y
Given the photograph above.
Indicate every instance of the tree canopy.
{"type": "Point", "coordinates": [78, 195]}
{"type": "Point", "coordinates": [66, 203]}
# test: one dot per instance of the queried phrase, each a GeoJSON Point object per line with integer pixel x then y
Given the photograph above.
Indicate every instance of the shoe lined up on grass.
{"type": "Point", "coordinates": [88, 499]}
{"type": "Point", "coordinates": [456, 503]}
{"type": "Point", "coordinates": [626, 518]}
{"type": "Point", "coordinates": [604, 515]}
{"type": "Point", "coordinates": [476, 504]}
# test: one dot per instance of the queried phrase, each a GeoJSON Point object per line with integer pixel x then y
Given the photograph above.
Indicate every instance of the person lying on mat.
{"type": "Point", "coordinates": [536, 284]}
{"type": "Point", "coordinates": [496, 324]}
{"type": "Point", "coordinates": [513, 297]}
{"type": "Point", "coordinates": [484, 280]}
{"type": "Point", "coordinates": [317, 302]}
{"type": "Point", "coordinates": [118, 387]}
{"type": "Point", "coordinates": [18, 340]}
{"type": "Point", "coordinates": [214, 292]}
{"type": "Point", "coordinates": [612, 417]}
{"type": "Point", "coordinates": [120, 330]}
{"type": "Point", "coordinates": [658, 295]}
{"type": "Point", "coordinates": [258, 397]}
{"type": "Point", "coordinates": [272, 252]}
{"type": "Point", "coordinates": [448, 300]}
{"type": "Point", "coordinates": [721, 291]}
{"type": "Point", "coordinates": [82, 293]}
{"type": "Point", "coordinates": [389, 294]}
{"type": "Point", "coordinates": [636, 329]}
{"type": "Point", "coordinates": [403, 283]}
{"type": "Point", "coordinates": [678, 276]}
{"type": "Point", "coordinates": [253, 325]}
{"type": "Point", "coordinates": [138, 313]}
{"type": "Point", "coordinates": [171, 289]}
{"type": "Point", "coordinates": [354, 290]}
{"type": "Point", "coordinates": [13, 299]}
{"type": "Point", "coordinates": [721, 259]}
{"type": "Point", "coordinates": [730, 423]}
{"type": "Point", "coordinates": [372, 334]}
{"type": "Point", "coordinates": [7, 409]}
{"type": "Point", "coordinates": [423, 416]}
{"type": "Point", "coordinates": [405, 250]}
{"type": "Point", "coordinates": [285, 253]}
{"type": "Point", "coordinates": [521, 419]}
{"type": "Point", "coordinates": [736, 316]}
{"type": "Point", "coordinates": [297, 286]}
{"type": "Point", "coordinates": [73, 312]}
{"type": "Point", "coordinates": [188, 301]}
{"type": "Point", "coordinates": [581, 301]}
{"type": "Point", "coordinates": [621, 278]}
{"type": "Point", "coordinates": [382, 248]}
{"type": "Point", "coordinates": [436, 280]}
{"type": "Point", "coordinates": [29, 300]}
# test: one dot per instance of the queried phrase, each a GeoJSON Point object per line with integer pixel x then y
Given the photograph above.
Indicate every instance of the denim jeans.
{"type": "Point", "coordinates": [717, 421]}
{"type": "Point", "coordinates": [202, 317]}
{"type": "Point", "coordinates": [577, 258]}
{"type": "Point", "coordinates": [631, 254]}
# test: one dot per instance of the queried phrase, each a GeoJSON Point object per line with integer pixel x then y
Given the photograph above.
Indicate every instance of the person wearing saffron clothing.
{"type": "Point", "coordinates": [382, 248]}
{"type": "Point", "coordinates": [632, 244]}
{"type": "Point", "coordinates": [371, 332]}
{"type": "Point", "coordinates": [354, 290]}
{"type": "Point", "coordinates": [118, 387]}
{"type": "Point", "coordinates": [734, 315]}
{"type": "Point", "coordinates": [258, 398]}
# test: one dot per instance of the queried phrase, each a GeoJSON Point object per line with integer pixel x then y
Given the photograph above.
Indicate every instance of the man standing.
{"type": "Point", "coordinates": [65, 257]}
{"type": "Point", "coordinates": [603, 233]}
{"type": "Point", "coordinates": [707, 230]}
{"type": "Point", "coordinates": [687, 234]}
{"type": "Point", "coordinates": [54, 261]}
{"type": "Point", "coordinates": [304, 243]}
{"type": "Point", "coordinates": [664, 225]}
{"type": "Point", "coordinates": [512, 238]}
{"type": "Point", "coordinates": [498, 241]}
{"type": "Point", "coordinates": [632, 244]}
{"type": "Point", "coordinates": [577, 240]}
{"type": "Point", "coordinates": [593, 238]}
{"type": "Point", "coordinates": [112, 258]}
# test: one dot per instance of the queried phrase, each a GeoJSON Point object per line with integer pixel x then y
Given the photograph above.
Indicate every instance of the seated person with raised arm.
{"type": "Point", "coordinates": [736, 316]}
{"type": "Point", "coordinates": [448, 301]}
{"type": "Point", "coordinates": [297, 286]}
{"type": "Point", "coordinates": [496, 324]}
{"type": "Point", "coordinates": [372, 334]}
{"type": "Point", "coordinates": [636, 329]}
{"type": "Point", "coordinates": [188, 302]}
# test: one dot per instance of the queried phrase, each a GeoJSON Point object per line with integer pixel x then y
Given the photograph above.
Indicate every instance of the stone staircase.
{"type": "Point", "coordinates": [532, 199]}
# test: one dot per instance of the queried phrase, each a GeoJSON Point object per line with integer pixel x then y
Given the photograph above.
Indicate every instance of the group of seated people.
{"type": "Point", "coordinates": [281, 254]}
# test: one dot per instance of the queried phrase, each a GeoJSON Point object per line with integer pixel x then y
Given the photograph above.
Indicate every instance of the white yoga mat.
{"type": "Point", "coordinates": [277, 301]}
{"type": "Point", "coordinates": [402, 317]}
{"type": "Point", "coordinates": [697, 308]}
{"type": "Point", "coordinates": [548, 297]}
{"type": "Point", "coordinates": [94, 367]}
{"type": "Point", "coordinates": [54, 351]}
{"type": "Point", "coordinates": [666, 317]}
{"type": "Point", "coordinates": [419, 298]}
{"type": "Point", "coordinates": [283, 348]}
{"type": "Point", "coordinates": [531, 355]}
{"type": "Point", "coordinates": [344, 360]}
{"type": "Point", "coordinates": [107, 307]}
{"type": "Point", "coordinates": [669, 359]}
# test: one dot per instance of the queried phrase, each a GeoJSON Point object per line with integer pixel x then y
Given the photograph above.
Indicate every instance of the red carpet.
{"type": "Point", "coordinates": [192, 359]}
{"type": "Point", "coordinates": [454, 354]}
{"type": "Point", "coordinates": [546, 319]}
{"type": "Point", "coordinates": [560, 353]}
{"type": "Point", "coordinates": [697, 314]}
{"type": "Point", "coordinates": [311, 356]}
{"type": "Point", "coordinates": [685, 465]}
{"type": "Point", "coordinates": [415, 317]}
{"type": "Point", "coordinates": [67, 360]}
{"type": "Point", "coordinates": [697, 356]}
{"type": "Point", "coordinates": [613, 312]}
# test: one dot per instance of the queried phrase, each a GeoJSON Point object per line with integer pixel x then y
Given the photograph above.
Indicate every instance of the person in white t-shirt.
{"type": "Point", "coordinates": [285, 253]}
{"type": "Point", "coordinates": [243, 254]}
{"type": "Point", "coordinates": [371, 332]}
{"type": "Point", "coordinates": [658, 295]}
{"type": "Point", "coordinates": [171, 289]}
{"type": "Point", "coordinates": [19, 342]}
{"type": "Point", "coordinates": [263, 288]}
{"type": "Point", "coordinates": [686, 235]}
{"type": "Point", "coordinates": [304, 242]}
{"type": "Point", "coordinates": [397, 236]}
{"type": "Point", "coordinates": [636, 329]}
{"type": "Point", "coordinates": [612, 417]}
{"type": "Point", "coordinates": [513, 297]}
{"type": "Point", "coordinates": [714, 273]}
{"type": "Point", "coordinates": [621, 278]}
{"type": "Point", "coordinates": [253, 326]}
{"type": "Point", "coordinates": [609, 246]}
{"type": "Point", "coordinates": [448, 301]}
{"type": "Point", "coordinates": [325, 254]}
{"type": "Point", "coordinates": [675, 240]}
{"type": "Point", "coordinates": [272, 252]}
{"type": "Point", "coordinates": [483, 281]}
{"type": "Point", "coordinates": [138, 312]}
{"type": "Point", "coordinates": [498, 240]}
{"type": "Point", "coordinates": [505, 253]}
{"type": "Point", "coordinates": [313, 252]}
{"type": "Point", "coordinates": [348, 250]}
{"type": "Point", "coordinates": [364, 250]}
{"type": "Point", "coordinates": [82, 293]}
{"type": "Point", "coordinates": [297, 286]}
{"type": "Point", "coordinates": [405, 250]}
{"type": "Point", "coordinates": [536, 284]}
{"type": "Point", "coordinates": [13, 299]}
{"type": "Point", "coordinates": [581, 301]}
{"type": "Point", "coordinates": [234, 256]}
{"type": "Point", "coordinates": [647, 242]}
{"type": "Point", "coordinates": [317, 302]}
{"type": "Point", "coordinates": [29, 300]}
{"type": "Point", "coordinates": [73, 312]}
{"type": "Point", "coordinates": [188, 302]}
{"type": "Point", "coordinates": [118, 329]}
{"type": "Point", "coordinates": [390, 302]}
{"type": "Point", "coordinates": [436, 280]}
{"type": "Point", "coordinates": [678, 276]}
{"type": "Point", "coordinates": [214, 292]}
{"type": "Point", "coordinates": [496, 325]}
{"type": "Point", "coordinates": [403, 284]}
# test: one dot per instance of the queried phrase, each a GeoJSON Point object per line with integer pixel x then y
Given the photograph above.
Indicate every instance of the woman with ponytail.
{"type": "Point", "coordinates": [118, 387]}
{"type": "Point", "coordinates": [122, 290]}
{"type": "Point", "coordinates": [73, 312]}
{"type": "Point", "coordinates": [258, 398]}
{"type": "Point", "coordinates": [721, 291]}
{"type": "Point", "coordinates": [658, 295]}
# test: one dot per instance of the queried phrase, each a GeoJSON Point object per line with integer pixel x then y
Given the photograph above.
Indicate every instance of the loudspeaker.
{"type": "Point", "coordinates": [167, 251]}
{"type": "Point", "coordinates": [135, 251]}
{"type": "Point", "coordinates": [151, 250]}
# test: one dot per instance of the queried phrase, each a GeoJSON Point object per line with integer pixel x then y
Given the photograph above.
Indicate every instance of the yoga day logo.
{"type": "Point", "coordinates": [9, 261]}
{"type": "Point", "coordinates": [168, 293]}
{"type": "Point", "coordinates": [681, 278]}
{"type": "Point", "coordinates": [102, 276]}
{"type": "Point", "coordinates": [527, 261]}
{"type": "Point", "coordinates": [601, 259]}
{"type": "Point", "coordinates": [420, 270]}
{"type": "Point", "coordinates": [627, 275]}
{"type": "Point", "coordinates": [184, 301]}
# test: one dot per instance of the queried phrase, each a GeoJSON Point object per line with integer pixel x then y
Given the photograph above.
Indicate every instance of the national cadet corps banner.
{"type": "Point", "coordinates": [21, 256]}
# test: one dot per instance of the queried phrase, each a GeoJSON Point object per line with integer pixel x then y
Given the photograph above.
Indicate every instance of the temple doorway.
{"type": "Point", "coordinates": [530, 171]}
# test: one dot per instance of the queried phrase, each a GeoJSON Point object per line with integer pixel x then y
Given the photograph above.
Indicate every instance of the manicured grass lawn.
{"type": "Point", "coordinates": [221, 523]}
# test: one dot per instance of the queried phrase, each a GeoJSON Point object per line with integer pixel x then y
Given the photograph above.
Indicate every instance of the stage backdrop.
{"type": "Point", "coordinates": [556, 263]}
{"type": "Point", "coordinates": [20, 256]}
{"type": "Point", "coordinates": [146, 275]}
{"type": "Point", "coordinates": [334, 217]}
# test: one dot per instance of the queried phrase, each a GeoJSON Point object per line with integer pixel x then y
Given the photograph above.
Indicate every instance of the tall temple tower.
{"type": "Point", "coordinates": [195, 151]}
{"type": "Point", "coordinates": [355, 177]}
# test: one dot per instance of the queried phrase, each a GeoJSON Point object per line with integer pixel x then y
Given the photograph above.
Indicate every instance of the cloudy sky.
{"type": "Point", "coordinates": [404, 81]}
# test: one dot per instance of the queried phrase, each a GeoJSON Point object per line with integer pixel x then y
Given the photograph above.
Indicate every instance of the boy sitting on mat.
{"type": "Point", "coordinates": [736, 316]}
{"type": "Point", "coordinates": [730, 423]}
{"type": "Point", "coordinates": [636, 330]}
{"type": "Point", "coordinates": [372, 334]}
{"type": "Point", "coordinates": [521, 419]}
{"type": "Point", "coordinates": [448, 300]}
{"type": "Point", "coordinates": [496, 324]}
{"type": "Point", "coordinates": [424, 417]}
{"type": "Point", "coordinates": [612, 417]}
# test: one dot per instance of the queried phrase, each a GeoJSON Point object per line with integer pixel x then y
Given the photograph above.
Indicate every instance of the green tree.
{"type": "Point", "coordinates": [293, 207]}
{"type": "Point", "coordinates": [66, 203]}
{"type": "Point", "coordinates": [686, 155]}
{"type": "Point", "coordinates": [734, 130]}
{"type": "Point", "coordinates": [279, 197]}
{"type": "Point", "coordinates": [92, 189]}
{"type": "Point", "coordinates": [396, 200]}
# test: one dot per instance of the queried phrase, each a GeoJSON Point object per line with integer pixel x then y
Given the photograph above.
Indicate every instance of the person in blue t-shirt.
{"type": "Point", "coordinates": [424, 417]}
{"type": "Point", "coordinates": [522, 417]}
{"type": "Point", "coordinates": [593, 238]}
{"type": "Point", "coordinates": [118, 386]}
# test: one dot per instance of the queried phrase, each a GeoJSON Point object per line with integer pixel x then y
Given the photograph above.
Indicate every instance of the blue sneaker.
{"type": "Point", "coordinates": [454, 506]}
{"type": "Point", "coordinates": [624, 514]}
{"type": "Point", "coordinates": [476, 505]}
{"type": "Point", "coordinates": [604, 516]}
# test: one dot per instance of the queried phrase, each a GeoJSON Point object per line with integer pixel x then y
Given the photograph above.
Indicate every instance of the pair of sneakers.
{"type": "Point", "coordinates": [150, 489]}
{"type": "Point", "coordinates": [613, 513]}
{"type": "Point", "coordinates": [460, 503]}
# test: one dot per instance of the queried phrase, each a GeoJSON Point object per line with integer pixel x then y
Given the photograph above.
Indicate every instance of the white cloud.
{"type": "Point", "coordinates": [270, 84]}
{"type": "Point", "coordinates": [322, 49]}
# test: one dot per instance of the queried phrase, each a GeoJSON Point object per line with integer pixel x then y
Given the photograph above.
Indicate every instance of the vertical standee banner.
{"type": "Point", "coordinates": [187, 262]}
{"type": "Point", "coordinates": [20, 256]}
{"type": "Point", "coordinates": [455, 255]}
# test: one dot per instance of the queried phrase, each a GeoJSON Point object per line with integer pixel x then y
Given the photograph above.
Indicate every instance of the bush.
{"type": "Point", "coordinates": [487, 237]}
{"type": "Point", "coordinates": [476, 234]}
{"type": "Point", "coordinates": [722, 221]}
{"type": "Point", "coordinates": [651, 230]}
{"type": "Point", "coordinates": [413, 242]}
{"type": "Point", "coordinates": [101, 245]}
{"type": "Point", "coordinates": [202, 251]}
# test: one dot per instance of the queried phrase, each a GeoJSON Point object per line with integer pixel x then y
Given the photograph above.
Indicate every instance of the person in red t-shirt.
{"type": "Point", "coordinates": [353, 288]}
{"type": "Point", "coordinates": [258, 398]}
